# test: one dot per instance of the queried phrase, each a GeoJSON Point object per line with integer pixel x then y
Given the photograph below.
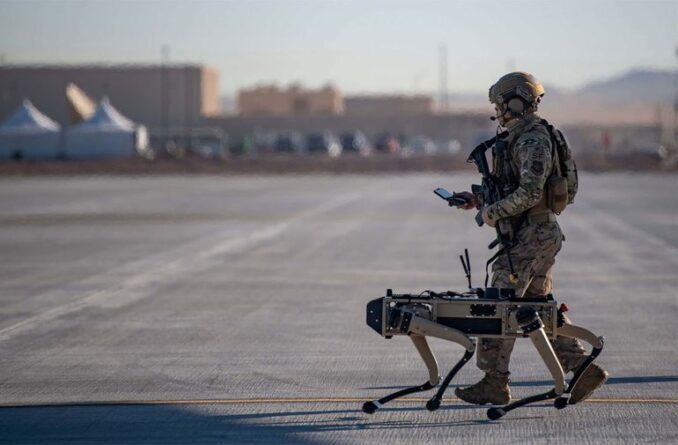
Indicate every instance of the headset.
{"type": "Point", "coordinates": [517, 106]}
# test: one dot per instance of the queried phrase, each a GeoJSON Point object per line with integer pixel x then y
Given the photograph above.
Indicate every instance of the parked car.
{"type": "Point", "coordinates": [355, 142]}
{"type": "Point", "coordinates": [243, 146]}
{"type": "Point", "coordinates": [419, 145]}
{"type": "Point", "coordinates": [323, 143]}
{"type": "Point", "coordinates": [387, 143]}
{"type": "Point", "coordinates": [209, 144]}
{"type": "Point", "coordinates": [447, 146]}
{"type": "Point", "coordinates": [263, 143]}
{"type": "Point", "coordinates": [289, 142]}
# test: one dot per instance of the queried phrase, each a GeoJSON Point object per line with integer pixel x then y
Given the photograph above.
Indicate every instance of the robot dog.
{"type": "Point", "coordinates": [480, 313]}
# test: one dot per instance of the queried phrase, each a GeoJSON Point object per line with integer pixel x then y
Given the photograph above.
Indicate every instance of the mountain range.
{"type": "Point", "coordinates": [639, 96]}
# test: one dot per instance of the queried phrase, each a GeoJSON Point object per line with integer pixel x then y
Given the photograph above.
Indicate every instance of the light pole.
{"type": "Point", "coordinates": [442, 50]}
{"type": "Point", "coordinates": [164, 96]}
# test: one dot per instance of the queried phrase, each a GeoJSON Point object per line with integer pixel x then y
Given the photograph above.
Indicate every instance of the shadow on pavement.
{"type": "Point", "coordinates": [151, 424]}
{"type": "Point", "coordinates": [205, 424]}
{"type": "Point", "coordinates": [610, 381]}
{"type": "Point", "coordinates": [217, 423]}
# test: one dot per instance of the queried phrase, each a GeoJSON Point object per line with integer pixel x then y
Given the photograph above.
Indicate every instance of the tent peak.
{"type": "Point", "coordinates": [107, 117]}
{"type": "Point", "coordinates": [27, 118]}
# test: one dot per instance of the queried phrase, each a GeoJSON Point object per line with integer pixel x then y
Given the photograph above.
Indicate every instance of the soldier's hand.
{"type": "Point", "coordinates": [486, 218]}
{"type": "Point", "coordinates": [470, 198]}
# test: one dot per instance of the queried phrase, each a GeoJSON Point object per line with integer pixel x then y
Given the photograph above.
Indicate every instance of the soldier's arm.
{"type": "Point", "coordinates": [533, 154]}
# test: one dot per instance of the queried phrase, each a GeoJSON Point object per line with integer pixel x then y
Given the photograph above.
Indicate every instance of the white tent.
{"type": "Point", "coordinates": [29, 134]}
{"type": "Point", "coordinates": [106, 134]}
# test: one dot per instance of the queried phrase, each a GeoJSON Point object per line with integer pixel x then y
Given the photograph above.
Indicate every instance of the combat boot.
{"type": "Point", "coordinates": [492, 389]}
{"type": "Point", "coordinates": [593, 378]}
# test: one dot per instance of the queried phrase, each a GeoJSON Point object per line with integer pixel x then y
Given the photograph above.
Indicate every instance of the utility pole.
{"type": "Point", "coordinates": [674, 132]}
{"type": "Point", "coordinates": [5, 93]}
{"type": "Point", "coordinates": [187, 105]}
{"type": "Point", "coordinates": [442, 60]}
{"type": "Point", "coordinates": [164, 90]}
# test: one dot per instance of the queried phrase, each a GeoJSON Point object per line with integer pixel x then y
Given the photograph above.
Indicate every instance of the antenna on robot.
{"type": "Point", "coordinates": [467, 267]}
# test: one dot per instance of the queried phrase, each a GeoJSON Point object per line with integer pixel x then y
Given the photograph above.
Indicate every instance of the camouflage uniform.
{"type": "Point", "coordinates": [537, 240]}
{"type": "Point", "coordinates": [523, 164]}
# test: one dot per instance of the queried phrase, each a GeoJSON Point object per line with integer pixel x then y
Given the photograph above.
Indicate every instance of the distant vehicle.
{"type": "Point", "coordinates": [243, 146]}
{"type": "Point", "coordinates": [208, 144]}
{"type": "Point", "coordinates": [209, 150]}
{"type": "Point", "coordinates": [289, 142]}
{"type": "Point", "coordinates": [204, 142]}
{"type": "Point", "coordinates": [323, 143]}
{"type": "Point", "coordinates": [387, 143]}
{"type": "Point", "coordinates": [355, 142]}
{"type": "Point", "coordinates": [173, 149]}
{"type": "Point", "coordinates": [447, 146]}
{"type": "Point", "coordinates": [263, 143]}
{"type": "Point", "coordinates": [419, 145]}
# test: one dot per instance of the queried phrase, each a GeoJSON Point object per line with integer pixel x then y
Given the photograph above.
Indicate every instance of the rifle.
{"type": "Point", "coordinates": [491, 191]}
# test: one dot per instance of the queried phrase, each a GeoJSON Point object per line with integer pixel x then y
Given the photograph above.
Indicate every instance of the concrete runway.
{"type": "Point", "coordinates": [231, 310]}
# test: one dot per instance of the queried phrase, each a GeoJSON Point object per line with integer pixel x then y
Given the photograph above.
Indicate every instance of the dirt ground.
{"type": "Point", "coordinates": [296, 165]}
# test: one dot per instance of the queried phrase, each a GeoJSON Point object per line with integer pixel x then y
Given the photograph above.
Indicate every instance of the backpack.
{"type": "Point", "coordinates": [563, 183]}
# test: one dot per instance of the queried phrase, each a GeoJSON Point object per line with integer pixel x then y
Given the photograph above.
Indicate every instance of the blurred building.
{"type": "Point", "coordinates": [155, 95]}
{"type": "Point", "coordinates": [271, 100]}
{"type": "Point", "coordinates": [389, 105]}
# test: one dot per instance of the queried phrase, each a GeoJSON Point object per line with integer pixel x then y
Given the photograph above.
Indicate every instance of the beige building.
{"type": "Point", "coordinates": [389, 105]}
{"type": "Point", "coordinates": [175, 95]}
{"type": "Point", "coordinates": [271, 100]}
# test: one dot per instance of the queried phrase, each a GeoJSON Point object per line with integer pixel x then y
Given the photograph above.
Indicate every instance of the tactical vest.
{"type": "Point", "coordinates": [562, 181]}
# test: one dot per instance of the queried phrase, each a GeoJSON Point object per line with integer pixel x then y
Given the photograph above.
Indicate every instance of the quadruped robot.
{"type": "Point", "coordinates": [480, 313]}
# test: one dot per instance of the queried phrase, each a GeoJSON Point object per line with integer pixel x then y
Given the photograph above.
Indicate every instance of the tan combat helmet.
{"type": "Point", "coordinates": [516, 92]}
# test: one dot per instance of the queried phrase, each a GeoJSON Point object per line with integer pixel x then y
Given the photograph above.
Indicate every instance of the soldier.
{"type": "Point", "coordinates": [537, 236]}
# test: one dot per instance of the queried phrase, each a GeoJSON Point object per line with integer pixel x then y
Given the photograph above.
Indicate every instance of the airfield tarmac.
{"type": "Point", "coordinates": [214, 309]}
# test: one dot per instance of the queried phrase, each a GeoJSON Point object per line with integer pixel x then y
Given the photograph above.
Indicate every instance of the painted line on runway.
{"type": "Point", "coordinates": [142, 278]}
{"type": "Point", "coordinates": [291, 400]}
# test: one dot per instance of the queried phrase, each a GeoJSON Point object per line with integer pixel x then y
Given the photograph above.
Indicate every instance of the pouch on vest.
{"type": "Point", "coordinates": [556, 193]}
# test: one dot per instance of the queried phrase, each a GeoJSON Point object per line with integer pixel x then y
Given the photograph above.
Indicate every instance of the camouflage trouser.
{"type": "Point", "coordinates": [533, 258]}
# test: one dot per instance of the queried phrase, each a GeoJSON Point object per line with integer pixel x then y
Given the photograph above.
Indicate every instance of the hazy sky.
{"type": "Point", "coordinates": [361, 46]}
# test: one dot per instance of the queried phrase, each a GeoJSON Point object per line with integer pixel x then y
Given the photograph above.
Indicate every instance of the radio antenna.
{"type": "Point", "coordinates": [467, 267]}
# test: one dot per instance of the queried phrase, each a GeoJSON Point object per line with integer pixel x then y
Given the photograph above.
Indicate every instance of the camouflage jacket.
{"type": "Point", "coordinates": [530, 157]}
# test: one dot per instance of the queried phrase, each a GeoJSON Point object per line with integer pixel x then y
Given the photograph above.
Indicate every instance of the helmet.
{"type": "Point", "coordinates": [516, 91]}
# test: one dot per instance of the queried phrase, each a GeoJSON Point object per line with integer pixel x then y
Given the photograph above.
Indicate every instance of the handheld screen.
{"type": "Point", "coordinates": [443, 193]}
